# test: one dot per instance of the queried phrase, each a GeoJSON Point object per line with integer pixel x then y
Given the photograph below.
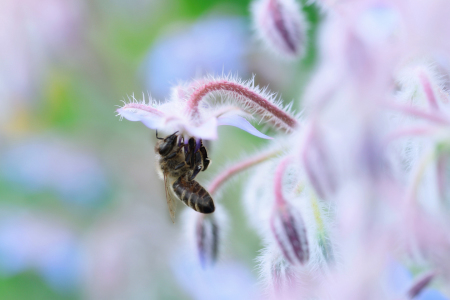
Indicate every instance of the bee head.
{"type": "Point", "coordinates": [167, 144]}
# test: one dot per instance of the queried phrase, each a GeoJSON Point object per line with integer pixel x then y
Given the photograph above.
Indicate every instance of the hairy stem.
{"type": "Point", "coordinates": [238, 168]}
{"type": "Point", "coordinates": [409, 110]}
{"type": "Point", "coordinates": [426, 85]}
{"type": "Point", "coordinates": [278, 181]}
{"type": "Point", "coordinates": [409, 132]}
{"type": "Point", "coordinates": [251, 98]}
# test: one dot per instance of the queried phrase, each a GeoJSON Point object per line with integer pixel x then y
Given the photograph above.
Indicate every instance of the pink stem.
{"type": "Point", "coordinates": [237, 168]}
{"type": "Point", "coordinates": [406, 132]}
{"type": "Point", "coordinates": [278, 187]}
{"type": "Point", "coordinates": [258, 101]}
{"type": "Point", "coordinates": [409, 110]}
{"type": "Point", "coordinates": [428, 91]}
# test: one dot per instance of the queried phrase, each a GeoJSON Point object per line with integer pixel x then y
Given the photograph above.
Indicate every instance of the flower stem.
{"type": "Point", "coordinates": [409, 132]}
{"type": "Point", "coordinates": [278, 180]}
{"type": "Point", "coordinates": [239, 167]}
{"type": "Point", "coordinates": [409, 110]}
{"type": "Point", "coordinates": [249, 96]}
{"type": "Point", "coordinates": [426, 85]}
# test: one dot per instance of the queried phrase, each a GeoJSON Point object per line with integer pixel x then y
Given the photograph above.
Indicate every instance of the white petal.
{"type": "Point", "coordinates": [207, 130]}
{"type": "Point", "coordinates": [241, 123]}
{"type": "Point", "coordinates": [150, 116]}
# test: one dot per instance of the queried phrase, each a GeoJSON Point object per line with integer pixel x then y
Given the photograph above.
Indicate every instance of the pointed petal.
{"type": "Point", "coordinates": [150, 116]}
{"type": "Point", "coordinates": [241, 123]}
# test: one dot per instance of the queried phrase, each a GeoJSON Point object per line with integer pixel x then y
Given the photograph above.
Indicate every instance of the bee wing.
{"type": "Point", "coordinates": [171, 203]}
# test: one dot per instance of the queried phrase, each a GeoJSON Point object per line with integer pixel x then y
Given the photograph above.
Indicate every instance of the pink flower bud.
{"type": "Point", "coordinates": [286, 223]}
{"type": "Point", "coordinates": [280, 24]}
{"type": "Point", "coordinates": [290, 234]}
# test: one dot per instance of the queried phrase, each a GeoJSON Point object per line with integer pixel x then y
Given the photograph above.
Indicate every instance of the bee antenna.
{"type": "Point", "coordinates": [157, 135]}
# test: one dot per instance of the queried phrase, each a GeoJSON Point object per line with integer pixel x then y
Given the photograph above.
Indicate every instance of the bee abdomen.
{"type": "Point", "coordinates": [194, 195]}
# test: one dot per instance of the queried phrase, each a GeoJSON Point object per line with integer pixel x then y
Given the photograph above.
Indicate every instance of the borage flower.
{"type": "Point", "coordinates": [190, 113]}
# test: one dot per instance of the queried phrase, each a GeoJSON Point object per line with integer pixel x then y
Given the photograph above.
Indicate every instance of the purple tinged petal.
{"type": "Point", "coordinates": [241, 123]}
{"type": "Point", "coordinates": [206, 131]}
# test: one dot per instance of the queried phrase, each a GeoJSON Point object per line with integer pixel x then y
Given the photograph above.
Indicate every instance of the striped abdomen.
{"type": "Point", "coordinates": [194, 195]}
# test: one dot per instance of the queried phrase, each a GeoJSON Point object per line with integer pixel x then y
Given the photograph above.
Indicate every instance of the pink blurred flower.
{"type": "Point", "coordinates": [280, 25]}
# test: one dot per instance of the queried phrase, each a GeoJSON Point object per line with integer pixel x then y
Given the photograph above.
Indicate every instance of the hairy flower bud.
{"type": "Point", "coordinates": [280, 24]}
{"type": "Point", "coordinates": [278, 276]}
{"type": "Point", "coordinates": [207, 237]}
{"type": "Point", "coordinates": [290, 233]}
{"type": "Point", "coordinates": [286, 223]}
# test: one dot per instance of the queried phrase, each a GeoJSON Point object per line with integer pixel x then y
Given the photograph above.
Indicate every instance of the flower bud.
{"type": "Point", "coordinates": [207, 237]}
{"type": "Point", "coordinates": [281, 26]}
{"type": "Point", "coordinates": [419, 284]}
{"type": "Point", "coordinates": [290, 233]}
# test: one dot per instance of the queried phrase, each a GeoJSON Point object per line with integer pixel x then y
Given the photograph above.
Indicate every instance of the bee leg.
{"type": "Point", "coordinates": [198, 160]}
{"type": "Point", "coordinates": [179, 166]}
{"type": "Point", "coordinates": [205, 160]}
{"type": "Point", "coordinates": [190, 157]}
{"type": "Point", "coordinates": [171, 155]}
{"type": "Point", "coordinates": [157, 135]}
{"type": "Point", "coordinates": [195, 173]}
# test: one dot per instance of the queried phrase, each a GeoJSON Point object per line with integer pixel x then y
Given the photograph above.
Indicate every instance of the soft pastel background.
{"type": "Point", "coordinates": [82, 211]}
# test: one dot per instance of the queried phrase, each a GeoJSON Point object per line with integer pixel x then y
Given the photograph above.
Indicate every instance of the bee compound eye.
{"type": "Point", "coordinates": [164, 149]}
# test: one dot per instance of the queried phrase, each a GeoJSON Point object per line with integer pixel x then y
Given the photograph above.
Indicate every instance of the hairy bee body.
{"type": "Point", "coordinates": [168, 166]}
{"type": "Point", "coordinates": [180, 163]}
{"type": "Point", "coordinates": [194, 195]}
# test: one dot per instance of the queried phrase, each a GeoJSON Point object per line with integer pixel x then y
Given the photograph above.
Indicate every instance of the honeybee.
{"type": "Point", "coordinates": [180, 163]}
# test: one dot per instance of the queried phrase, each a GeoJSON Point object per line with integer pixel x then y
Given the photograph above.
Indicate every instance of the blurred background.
{"type": "Point", "coordinates": [82, 212]}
